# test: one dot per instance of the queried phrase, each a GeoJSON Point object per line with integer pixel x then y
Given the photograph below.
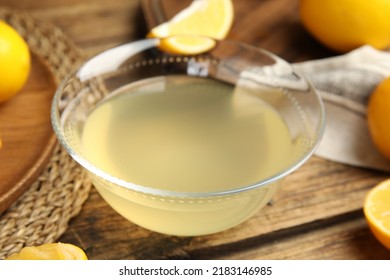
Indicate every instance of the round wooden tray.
{"type": "Point", "coordinates": [41, 187]}
{"type": "Point", "coordinates": [26, 133]}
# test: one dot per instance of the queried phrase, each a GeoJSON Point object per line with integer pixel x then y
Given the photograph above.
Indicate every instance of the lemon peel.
{"type": "Point", "coordinates": [343, 25]}
{"type": "Point", "coordinates": [377, 211]}
{"type": "Point", "coordinates": [15, 62]}
{"type": "Point", "coordinates": [378, 117]}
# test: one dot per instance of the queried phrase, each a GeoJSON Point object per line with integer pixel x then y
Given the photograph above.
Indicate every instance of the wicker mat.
{"type": "Point", "coordinates": [42, 213]}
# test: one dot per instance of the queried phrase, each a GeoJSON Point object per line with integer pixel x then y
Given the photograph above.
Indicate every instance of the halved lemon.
{"type": "Point", "coordinates": [204, 18]}
{"type": "Point", "coordinates": [377, 212]}
{"type": "Point", "coordinates": [50, 251]}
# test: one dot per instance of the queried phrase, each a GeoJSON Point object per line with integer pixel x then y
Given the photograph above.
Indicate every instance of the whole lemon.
{"type": "Point", "coordinates": [378, 117]}
{"type": "Point", "coordinates": [15, 61]}
{"type": "Point", "coordinates": [343, 25]}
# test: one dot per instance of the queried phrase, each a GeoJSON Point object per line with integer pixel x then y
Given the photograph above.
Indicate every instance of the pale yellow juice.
{"type": "Point", "coordinates": [186, 134]}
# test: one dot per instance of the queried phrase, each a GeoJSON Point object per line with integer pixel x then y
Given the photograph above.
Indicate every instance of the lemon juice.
{"type": "Point", "coordinates": [185, 134]}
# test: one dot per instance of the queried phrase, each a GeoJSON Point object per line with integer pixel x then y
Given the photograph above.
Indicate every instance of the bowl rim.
{"type": "Point", "coordinates": [56, 124]}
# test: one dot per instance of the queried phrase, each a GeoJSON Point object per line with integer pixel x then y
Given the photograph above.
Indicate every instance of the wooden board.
{"type": "Point", "coordinates": [26, 133]}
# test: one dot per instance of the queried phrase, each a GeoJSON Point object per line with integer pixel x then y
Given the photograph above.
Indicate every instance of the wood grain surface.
{"type": "Point", "coordinates": [26, 133]}
{"type": "Point", "coordinates": [316, 215]}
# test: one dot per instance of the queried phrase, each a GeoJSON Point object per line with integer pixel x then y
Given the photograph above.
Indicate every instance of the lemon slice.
{"type": "Point", "coordinates": [51, 251]}
{"type": "Point", "coordinates": [377, 212]}
{"type": "Point", "coordinates": [204, 18]}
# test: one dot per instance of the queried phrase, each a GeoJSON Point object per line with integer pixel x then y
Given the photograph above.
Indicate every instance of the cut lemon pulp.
{"type": "Point", "coordinates": [377, 212]}
{"type": "Point", "coordinates": [51, 251]}
{"type": "Point", "coordinates": [187, 44]}
{"type": "Point", "coordinates": [207, 18]}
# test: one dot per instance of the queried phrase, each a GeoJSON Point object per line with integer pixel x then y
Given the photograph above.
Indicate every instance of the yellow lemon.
{"type": "Point", "coordinates": [378, 117]}
{"type": "Point", "coordinates": [50, 251]}
{"type": "Point", "coordinates": [343, 25]}
{"type": "Point", "coordinates": [15, 62]}
{"type": "Point", "coordinates": [207, 18]}
{"type": "Point", "coordinates": [377, 212]}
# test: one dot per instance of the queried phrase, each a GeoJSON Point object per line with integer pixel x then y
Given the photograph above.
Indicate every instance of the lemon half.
{"type": "Point", "coordinates": [377, 212]}
{"type": "Point", "coordinates": [50, 251]}
{"type": "Point", "coordinates": [204, 18]}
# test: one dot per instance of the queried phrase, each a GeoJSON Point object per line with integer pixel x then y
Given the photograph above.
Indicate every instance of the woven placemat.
{"type": "Point", "coordinates": [42, 213]}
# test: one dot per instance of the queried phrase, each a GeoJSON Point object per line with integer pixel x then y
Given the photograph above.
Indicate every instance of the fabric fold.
{"type": "Point", "coordinates": [345, 84]}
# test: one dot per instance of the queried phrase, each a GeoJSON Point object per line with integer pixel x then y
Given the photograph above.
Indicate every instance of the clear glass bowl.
{"type": "Point", "coordinates": [262, 75]}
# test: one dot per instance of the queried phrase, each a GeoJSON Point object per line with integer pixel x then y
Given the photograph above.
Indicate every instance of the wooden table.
{"type": "Point", "coordinates": [316, 215]}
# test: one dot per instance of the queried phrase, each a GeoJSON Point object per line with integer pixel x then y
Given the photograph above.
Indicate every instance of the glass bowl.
{"type": "Point", "coordinates": [187, 145]}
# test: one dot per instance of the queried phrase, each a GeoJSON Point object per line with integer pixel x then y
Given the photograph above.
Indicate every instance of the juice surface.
{"type": "Point", "coordinates": [185, 133]}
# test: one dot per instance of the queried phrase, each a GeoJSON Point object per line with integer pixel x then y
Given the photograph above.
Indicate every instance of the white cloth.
{"type": "Point", "coordinates": [345, 83]}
